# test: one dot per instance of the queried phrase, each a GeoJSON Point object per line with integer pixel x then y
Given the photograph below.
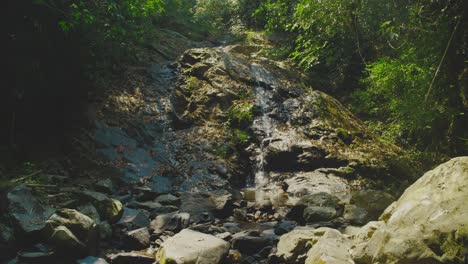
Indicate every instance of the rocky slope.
{"type": "Point", "coordinates": [222, 156]}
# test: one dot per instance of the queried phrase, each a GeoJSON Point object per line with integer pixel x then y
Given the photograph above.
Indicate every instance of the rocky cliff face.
{"type": "Point", "coordinates": [224, 152]}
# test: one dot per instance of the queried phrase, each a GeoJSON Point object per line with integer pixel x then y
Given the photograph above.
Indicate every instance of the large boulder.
{"type": "Point", "coordinates": [191, 247]}
{"type": "Point", "coordinates": [331, 248]}
{"type": "Point", "coordinates": [428, 224]}
{"type": "Point", "coordinates": [170, 222]}
{"type": "Point", "coordinates": [133, 219]}
{"type": "Point", "coordinates": [293, 246]}
{"type": "Point", "coordinates": [109, 209]}
{"type": "Point", "coordinates": [26, 211]}
{"type": "Point", "coordinates": [305, 183]}
{"type": "Point", "coordinates": [72, 232]}
{"type": "Point", "coordinates": [316, 208]}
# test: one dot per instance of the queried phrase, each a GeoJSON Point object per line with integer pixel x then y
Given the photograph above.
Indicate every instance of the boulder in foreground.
{"type": "Point", "coordinates": [191, 247]}
{"type": "Point", "coordinates": [428, 224]}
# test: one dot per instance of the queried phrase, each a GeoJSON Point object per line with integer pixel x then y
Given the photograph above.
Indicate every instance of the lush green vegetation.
{"type": "Point", "coordinates": [400, 64]}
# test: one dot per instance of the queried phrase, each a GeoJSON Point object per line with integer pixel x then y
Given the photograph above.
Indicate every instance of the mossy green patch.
{"type": "Point", "coordinates": [239, 137]}
{"type": "Point", "coordinates": [241, 114]}
{"type": "Point", "coordinates": [223, 151]}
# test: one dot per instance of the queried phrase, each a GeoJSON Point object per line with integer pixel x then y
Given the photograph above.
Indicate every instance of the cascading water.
{"type": "Point", "coordinates": [263, 126]}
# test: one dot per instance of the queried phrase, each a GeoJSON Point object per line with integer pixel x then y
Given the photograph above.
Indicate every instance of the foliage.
{"type": "Point", "coordinates": [389, 58]}
{"type": "Point", "coordinates": [241, 114]}
{"type": "Point", "coordinates": [239, 138]}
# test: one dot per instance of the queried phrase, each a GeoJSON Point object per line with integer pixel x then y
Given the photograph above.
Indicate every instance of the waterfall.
{"type": "Point", "coordinates": [263, 125]}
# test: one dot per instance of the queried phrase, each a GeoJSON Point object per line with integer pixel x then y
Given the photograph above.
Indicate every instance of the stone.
{"type": "Point", "coordinates": [160, 185]}
{"type": "Point", "coordinates": [428, 222]}
{"type": "Point", "coordinates": [240, 213]}
{"type": "Point", "coordinates": [7, 241]}
{"type": "Point", "coordinates": [201, 206]}
{"type": "Point", "coordinates": [170, 222]}
{"type": "Point", "coordinates": [232, 227]}
{"type": "Point", "coordinates": [250, 245]}
{"type": "Point", "coordinates": [137, 239]}
{"type": "Point", "coordinates": [72, 232]}
{"type": "Point", "coordinates": [89, 210]}
{"type": "Point", "coordinates": [130, 258]}
{"type": "Point", "coordinates": [168, 199]}
{"type": "Point", "coordinates": [105, 230]}
{"type": "Point", "coordinates": [149, 205]}
{"type": "Point", "coordinates": [191, 247]}
{"type": "Point", "coordinates": [234, 256]}
{"type": "Point", "coordinates": [314, 214]}
{"type": "Point", "coordinates": [293, 246]}
{"type": "Point", "coordinates": [109, 209]}
{"type": "Point", "coordinates": [356, 215]}
{"type": "Point", "coordinates": [373, 201]}
{"type": "Point", "coordinates": [38, 253]}
{"type": "Point", "coordinates": [305, 183]}
{"type": "Point", "coordinates": [285, 227]}
{"type": "Point", "coordinates": [105, 185]}
{"type": "Point", "coordinates": [133, 219]}
{"type": "Point", "coordinates": [226, 236]}
{"type": "Point", "coordinates": [28, 214]}
{"type": "Point", "coordinates": [331, 248]}
{"type": "Point", "coordinates": [163, 209]}
{"type": "Point", "coordinates": [66, 241]}
{"type": "Point", "coordinates": [316, 207]}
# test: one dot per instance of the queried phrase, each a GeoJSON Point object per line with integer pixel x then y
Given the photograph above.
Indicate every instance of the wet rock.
{"type": "Point", "coordinates": [149, 205]}
{"type": "Point", "coordinates": [240, 214]}
{"type": "Point", "coordinates": [269, 233]}
{"type": "Point", "coordinates": [427, 224]}
{"type": "Point", "coordinates": [137, 239]}
{"type": "Point", "coordinates": [355, 215]}
{"type": "Point", "coordinates": [293, 246]}
{"type": "Point", "coordinates": [160, 185]}
{"type": "Point", "coordinates": [234, 256]}
{"type": "Point", "coordinates": [112, 137]}
{"type": "Point", "coordinates": [316, 207]}
{"type": "Point", "coordinates": [106, 186]}
{"type": "Point", "coordinates": [314, 214]}
{"type": "Point", "coordinates": [232, 227]}
{"type": "Point", "coordinates": [109, 209]}
{"type": "Point", "coordinates": [373, 201]}
{"type": "Point", "coordinates": [105, 230]}
{"type": "Point", "coordinates": [28, 214]}
{"type": "Point", "coordinates": [130, 258]}
{"type": "Point", "coordinates": [305, 183]}
{"type": "Point", "coordinates": [360, 238]}
{"type": "Point", "coordinates": [285, 227]}
{"type": "Point", "coordinates": [90, 211]}
{"type": "Point", "coordinates": [168, 199]}
{"type": "Point", "coordinates": [91, 260]}
{"type": "Point", "coordinates": [203, 181]}
{"type": "Point", "coordinates": [170, 222]}
{"type": "Point", "coordinates": [38, 253]}
{"type": "Point", "coordinates": [72, 232]}
{"type": "Point", "coordinates": [226, 236]}
{"type": "Point", "coordinates": [163, 209]}
{"type": "Point", "coordinates": [67, 242]}
{"type": "Point", "coordinates": [133, 219]}
{"type": "Point", "coordinates": [331, 248]}
{"type": "Point", "coordinates": [7, 241]}
{"type": "Point", "coordinates": [251, 244]}
{"type": "Point", "coordinates": [200, 206]}
{"type": "Point", "coordinates": [193, 247]}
